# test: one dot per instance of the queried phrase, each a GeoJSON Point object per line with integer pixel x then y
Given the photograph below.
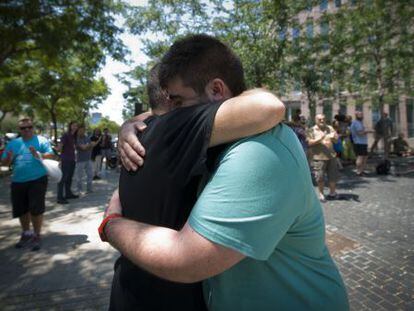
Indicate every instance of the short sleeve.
{"type": "Point", "coordinates": [244, 206]}
{"type": "Point", "coordinates": [186, 135]}
{"type": "Point", "coordinates": [9, 147]}
{"type": "Point", "coordinates": [45, 146]}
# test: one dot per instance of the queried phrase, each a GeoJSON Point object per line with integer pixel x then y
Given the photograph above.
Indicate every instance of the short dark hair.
{"type": "Point", "coordinates": [197, 59]}
{"type": "Point", "coordinates": [157, 97]}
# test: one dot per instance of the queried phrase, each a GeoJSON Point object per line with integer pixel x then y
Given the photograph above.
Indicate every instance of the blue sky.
{"type": "Point", "coordinates": [112, 106]}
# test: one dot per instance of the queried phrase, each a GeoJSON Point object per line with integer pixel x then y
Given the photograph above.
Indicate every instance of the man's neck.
{"type": "Point", "coordinates": [27, 138]}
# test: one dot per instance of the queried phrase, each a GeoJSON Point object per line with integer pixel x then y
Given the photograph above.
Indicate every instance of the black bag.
{"type": "Point", "coordinates": [383, 168]}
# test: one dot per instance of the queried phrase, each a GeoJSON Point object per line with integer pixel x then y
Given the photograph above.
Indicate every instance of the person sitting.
{"type": "Point", "coordinates": [401, 146]}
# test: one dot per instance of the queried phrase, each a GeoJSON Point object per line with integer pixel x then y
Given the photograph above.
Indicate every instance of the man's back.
{"type": "Point", "coordinates": [162, 193]}
{"type": "Point", "coordinates": [358, 126]}
{"type": "Point", "coordinates": [276, 220]}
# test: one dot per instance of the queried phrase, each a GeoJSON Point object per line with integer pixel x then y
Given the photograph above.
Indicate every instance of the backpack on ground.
{"type": "Point", "coordinates": [383, 168]}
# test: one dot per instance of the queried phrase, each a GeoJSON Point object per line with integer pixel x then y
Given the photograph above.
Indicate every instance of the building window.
{"type": "Point", "coordinates": [295, 32]}
{"type": "Point", "coordinates": [282, 83]}
{"type": "Point", "coordinates": [309, 5]}
{"type": "Point", "coordinates": [324, 5]}
{"type": "Point", "coordinates": [327, 80]}
{"type": "Point", "coordinates": [356, 74]}
{"type": "Point", "coordinates": [410, 117]}
{"type": "Point", "coordinates": [297, 86]}
{"type": "Point", "coordinates": [327, 110]}
{"type": "Point", "coordinates": [395, 117]}
{"type": "Point", "coordinates": [359, 106]}
{"type": "Point", "coordinates": [324, 28]}
{"type": "Point", "coordinates": [338, 3]}
{"type": "Point", "coordinates": [342, 107]}
{"type": "Point", "coordinates": [324, 31]}
{"type": "Point", "coordinates": [309, 29]}
{"type": "Point", "coordinates": [375, 113]}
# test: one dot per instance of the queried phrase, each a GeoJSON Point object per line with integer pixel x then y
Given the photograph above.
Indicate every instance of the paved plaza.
{"type": "Point", "coordinates": [370, 231]}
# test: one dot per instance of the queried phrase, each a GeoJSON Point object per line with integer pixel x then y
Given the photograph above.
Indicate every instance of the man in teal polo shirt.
{"type": "Point", "coordinates": [29, 181]}
{"type": "Point", "coordinates": [260, 202]}
{"type": "Point", "coordinates": [256, 234]}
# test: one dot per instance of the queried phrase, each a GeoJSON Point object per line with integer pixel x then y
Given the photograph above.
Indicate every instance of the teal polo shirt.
{"type": "Point", "coordinates": [260, 202]}
{"type": "Point", "coordinates": [25, 166]}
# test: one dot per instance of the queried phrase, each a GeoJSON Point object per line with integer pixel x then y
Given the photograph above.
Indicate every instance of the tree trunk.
{"type": "Point", "coordinates": [381, 92]}
{"type": "Point", "coordinates": [53, 116]}
{"type": "Point", "coordinates": [312, 106]}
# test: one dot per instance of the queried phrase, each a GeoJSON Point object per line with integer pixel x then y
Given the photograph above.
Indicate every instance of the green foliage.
{"type": "Point", "coordinates": [136, 95]}
{"type": "Point", "coordinates": [112, 126]}
{"type": "Point", "coordinates": [373, 49]}
{"type": "Point", "coordinates": [56, 26]}
{"type": "Point", "coordinates": [9, 125]}
{"type": "Point", "coordinates": [50, 54]}
{"type": "Point", "coordinates": [364, 49]}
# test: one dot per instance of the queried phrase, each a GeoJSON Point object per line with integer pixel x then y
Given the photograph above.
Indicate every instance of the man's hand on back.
{"type": "Point", "coordinates": [130, 149]}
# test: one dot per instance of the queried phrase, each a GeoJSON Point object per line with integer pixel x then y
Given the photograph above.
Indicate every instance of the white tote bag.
{"type": "Point", "coordinates": [52, 167]}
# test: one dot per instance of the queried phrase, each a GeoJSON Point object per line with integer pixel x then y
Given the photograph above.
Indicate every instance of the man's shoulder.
{"type": "Point", "coordinates": [277, 136]}
{"type": "Point", "coordinates": [40, 138]}
{"type": "Point", "coordinates": [355, 123]}
{"type": "Point", "coordinates": [15, 142]}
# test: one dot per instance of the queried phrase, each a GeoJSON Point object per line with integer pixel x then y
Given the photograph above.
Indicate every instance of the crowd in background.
{"type": "Point", "coordinates": [82, 155]}
{"type": "Point", "coordinates": [331, 144]}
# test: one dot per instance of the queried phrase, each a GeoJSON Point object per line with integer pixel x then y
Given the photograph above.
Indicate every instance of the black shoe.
{"type": "Point", "coordinates": [62, 201]}
{"type": "Point", "coordinates": [24, 240]}
{"type": "Point", "coordinates": [72, 196]}
{"type": "Point", "coordinates": [36, 243]}
{"type": "Point", "coordinates": [96, 177]}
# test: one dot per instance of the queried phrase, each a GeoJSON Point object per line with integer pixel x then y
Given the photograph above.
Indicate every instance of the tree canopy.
{"type": "Point", "coordinates": [358, 47]}
{"type": "Point", "coordinates": [50, 53]}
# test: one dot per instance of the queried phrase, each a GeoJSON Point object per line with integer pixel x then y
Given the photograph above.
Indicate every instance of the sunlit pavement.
{"type": "Point", "coordinates": [370, 234]}
{"type": "Point", "coordinates": [73, 269]}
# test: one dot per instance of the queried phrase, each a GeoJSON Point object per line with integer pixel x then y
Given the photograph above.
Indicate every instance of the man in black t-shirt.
{"type": "Point", "coordinates": [166, 185]}
{"type": "Point", "coordinates": [166, 189]}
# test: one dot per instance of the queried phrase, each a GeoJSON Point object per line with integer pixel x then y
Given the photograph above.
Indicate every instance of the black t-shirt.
{"type": "Point", "coordinates": [163, 193]}
{"type": "Point", "coordinates": [97, 149]}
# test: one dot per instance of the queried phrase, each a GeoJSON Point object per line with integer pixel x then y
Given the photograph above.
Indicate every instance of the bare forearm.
{"type": "Point", "coordinates": [180, 256]}
{"type": "Point", "coordinates": [250, 113]}
{"type": "Point", "coordinates": [312, 142]}
{"type": "Point", "coordinates": [152, 248]}
{"type": "Point", "coordinates": [48, 156]}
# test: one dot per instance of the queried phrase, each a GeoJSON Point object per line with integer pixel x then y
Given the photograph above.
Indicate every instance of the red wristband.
{"type": "Point", "coordinates": [101, 229]}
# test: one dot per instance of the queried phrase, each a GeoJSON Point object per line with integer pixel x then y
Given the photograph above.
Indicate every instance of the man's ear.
{"type": "Point", "coordinates": [217, 90]}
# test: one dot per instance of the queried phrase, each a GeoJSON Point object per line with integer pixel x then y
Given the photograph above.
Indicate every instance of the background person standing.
{"type": "Point", "coordinates": [29, 181]}
{"type": "Point", "coordinates": [96, 155]}
{"type": "Point", "coordinates": [67, 156]}
{"type": "Point", "coordinates": [106, 147]}
{"type": "Point", "coordinates": [321, 138]}
{"type": "Point", "coordinates": [83, 159]}
{"type": "Point", "coordinates": [360, 139]}
{"type": "Point", "coordinates": [383, 130]}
